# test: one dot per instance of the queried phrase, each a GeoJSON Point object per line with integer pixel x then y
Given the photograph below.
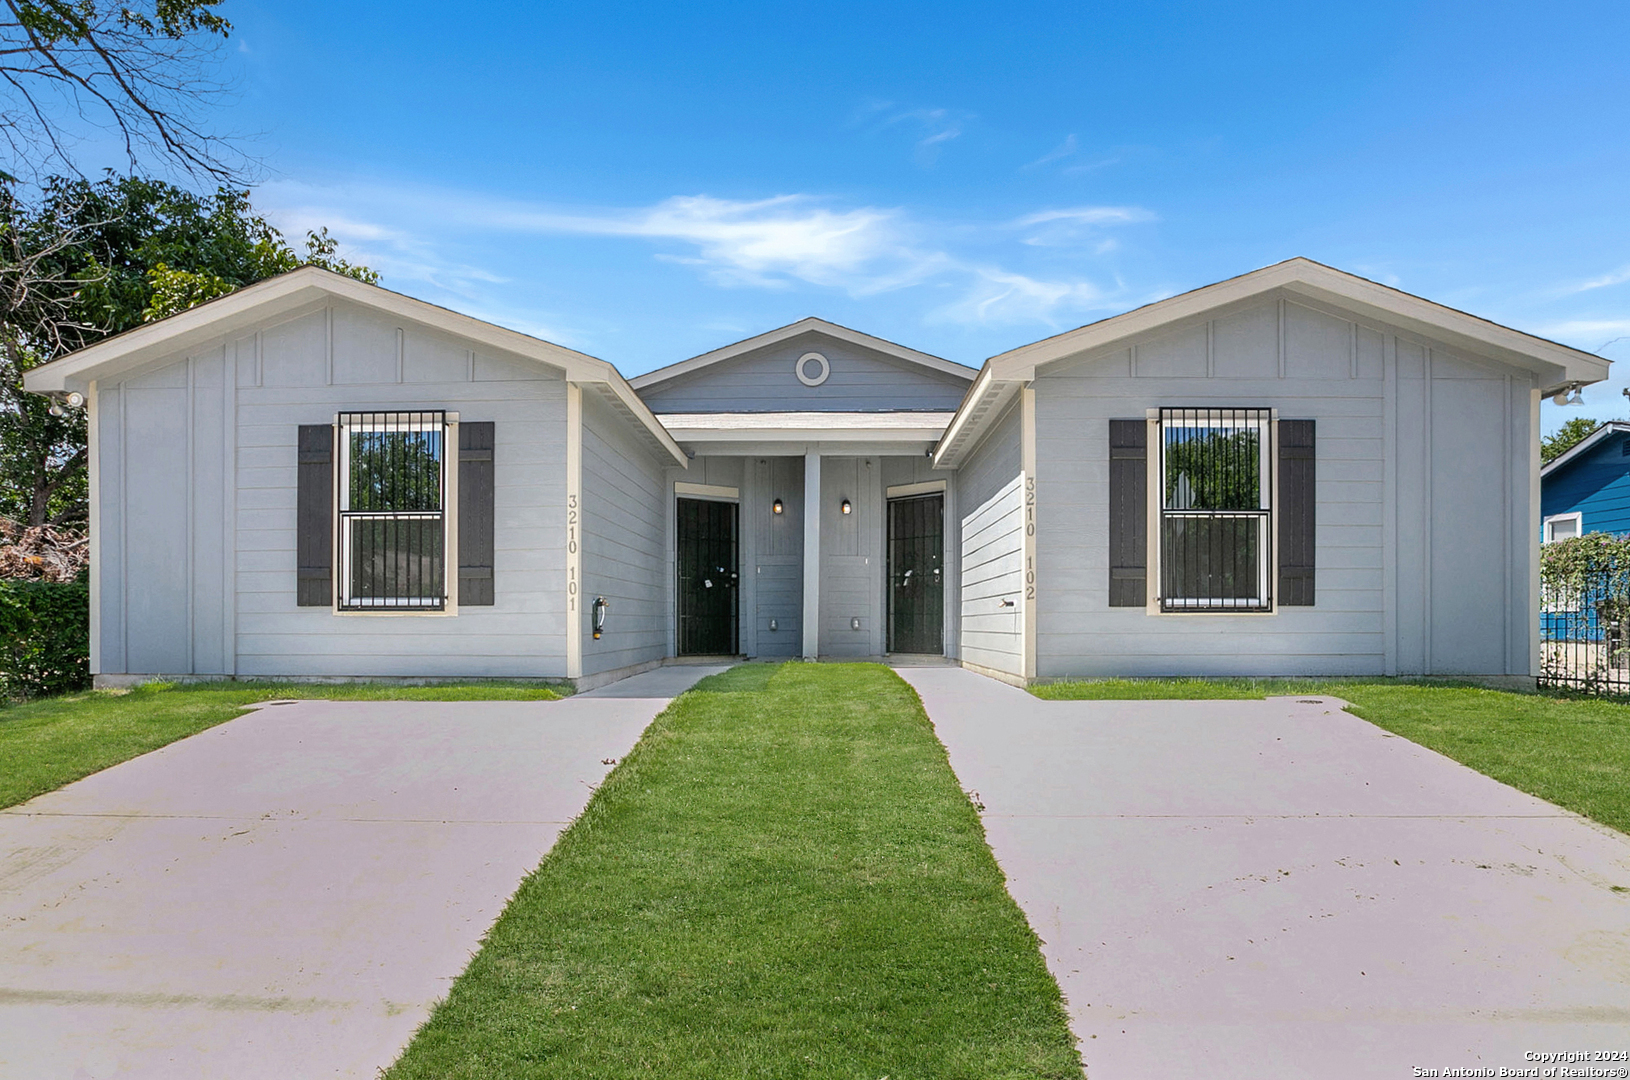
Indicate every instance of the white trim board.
{"type": "Point", "coordinates": [706, 491]}
{"type": "Point", "coordinates": [904, 491]}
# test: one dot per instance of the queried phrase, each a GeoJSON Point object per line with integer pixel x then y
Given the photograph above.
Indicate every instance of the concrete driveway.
{"type": "Point", "coordinates": [1252, 889]}
{"type": "Point", "coordinates": [286, 895]}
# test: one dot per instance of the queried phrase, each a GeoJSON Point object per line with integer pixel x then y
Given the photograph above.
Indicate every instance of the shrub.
{"type": "Point", "coordinates": [44, 638]}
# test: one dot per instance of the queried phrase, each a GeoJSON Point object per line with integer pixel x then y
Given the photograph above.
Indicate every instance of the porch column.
{"type": "Point", "coordinates": [812, 553]}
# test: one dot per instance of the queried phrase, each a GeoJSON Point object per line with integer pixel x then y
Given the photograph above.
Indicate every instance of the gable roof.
{"type": "Point", "coordinates": [1558, 366]}
{"type": "Point", "coordinates": [1585, 445]}
{"type": "Point", "coordinates": [792, 330]}
{"type": "Point", "coordinates": [309, 286]}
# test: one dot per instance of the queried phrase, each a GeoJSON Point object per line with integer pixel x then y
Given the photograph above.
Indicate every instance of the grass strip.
{"type": "Point", "coordinates": [1568, 750]}
{"type": "Point", "coordinates": [783, 879]}
{"type": "Point", "coordinates": [55, 741]}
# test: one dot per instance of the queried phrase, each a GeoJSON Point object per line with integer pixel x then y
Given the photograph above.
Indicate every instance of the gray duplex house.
{"type": "Point", "coordinates": [1295, 471]}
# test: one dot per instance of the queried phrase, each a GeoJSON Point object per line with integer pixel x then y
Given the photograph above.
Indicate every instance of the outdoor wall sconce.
{"type": "Point", "coordinates": [854, 623]}
{"type": "Point", "coordinates": [846, 508]}
{"type": "Point", "coordinates": [773, 627]}
{"type": "Point", "coordinates": [776, 506]}
{"type": "Point", "coordinates": [598, 612]}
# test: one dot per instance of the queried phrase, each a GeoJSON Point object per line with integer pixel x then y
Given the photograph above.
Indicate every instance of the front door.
{"type": "Point", "coordinates": [917, 574]}
{"type": "Point", "coordinates": [707, 578]}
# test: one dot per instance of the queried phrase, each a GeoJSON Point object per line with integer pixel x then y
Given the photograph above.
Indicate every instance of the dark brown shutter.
{"type": "Point", "coordinates": [1128, 513]}
{"type": "Point", "coordinates": [475, 514]}
{"type": "Point", "coordinates": [1296, 513]}
{"type": "Point", "coordinates": [314, 517]}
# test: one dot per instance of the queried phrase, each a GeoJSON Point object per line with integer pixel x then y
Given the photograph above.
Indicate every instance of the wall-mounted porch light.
{"type": "Point", "coordinates": [777, 507]}
{"type": "Point", "coordinates": [846, 508]}
{"type": "Point", "coordinates": [601, 606]}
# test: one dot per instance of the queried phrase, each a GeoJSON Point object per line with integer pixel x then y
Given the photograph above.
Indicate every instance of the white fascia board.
{"type": "Point", "coordinates": [1382, 303]}
{"type": "Point", "coordinates": [784, 333]}
{"type": "Point", "coordinates": [986, 402]}
{"type": "Point", "coordinates": [1583, 446]}
{"type": "Point", "coordinates": [621, 398]}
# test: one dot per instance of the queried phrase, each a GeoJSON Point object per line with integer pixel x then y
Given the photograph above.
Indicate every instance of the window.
{"type": "Point", "coordinates": [1564, 526]}
{"type": "Point", "coordinates": [1216, 509]}
{"type": "Point", "coordinates": [392, 510]}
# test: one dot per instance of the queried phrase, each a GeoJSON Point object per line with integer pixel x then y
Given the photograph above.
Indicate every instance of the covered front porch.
{"type": "Point", "coordinates": [810, 535]}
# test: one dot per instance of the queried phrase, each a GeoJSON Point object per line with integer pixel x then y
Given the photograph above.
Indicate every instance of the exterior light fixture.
{"type": "Point", "coordinates": [74, 399]}
{"type": "Point", "coordinates": [777, 507]}
{"type": "Point", "coordinates": [599, 615]}
{"type": "Point", "coordinates": [846, 508]}
{"type": "Point", "coordinates": [1568, 395]}
{"type": "Point", "coordinates": [854, 623]}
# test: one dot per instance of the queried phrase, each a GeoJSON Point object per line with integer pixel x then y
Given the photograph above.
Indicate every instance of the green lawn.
{"type": "Point", "coordinates": [46, 744]}
{"type": "Point", "coordinates": [781, 880]}
{"type": "Point", "coordinates": [1571, 751]}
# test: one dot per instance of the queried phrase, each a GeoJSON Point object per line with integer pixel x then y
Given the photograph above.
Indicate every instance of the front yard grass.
{"type": "Point", "coordinates": [1574, 752]}
{"type": "Point", "coordinates": [782, 879]}
{"type": "Point", "coordinates": [55, 741]}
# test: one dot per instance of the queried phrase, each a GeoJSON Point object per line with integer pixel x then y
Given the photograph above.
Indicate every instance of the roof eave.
{"type": "Point", "coordinates": [1561, 364]}
{"type": "Point", "coordinates": [244, 308]}
{"type": "Point", "coordinates": [1584, 445]}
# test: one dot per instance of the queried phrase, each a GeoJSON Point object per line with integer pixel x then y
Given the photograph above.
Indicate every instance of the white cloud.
{"type": "Point", "coordinates": [1585, 329]}
{"type": "Point", "coordinates": [774, 243]}
{"type": "Point", "coordinates": [1065, 149]}
{"type": "Point", "coordinates": [1614, 277]}
{"type": "Point", "coordinates": [936, 126]}
{"type": "Point", "coordinates": [1077, 225]}
{"type": "Point", "coordinates": [1002, 296]}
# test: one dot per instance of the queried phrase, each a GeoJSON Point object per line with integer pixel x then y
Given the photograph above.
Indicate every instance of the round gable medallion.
{"type": "Point", "coordinates": [822, 369]}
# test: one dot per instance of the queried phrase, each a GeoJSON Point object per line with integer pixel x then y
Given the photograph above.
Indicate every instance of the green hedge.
{"type": "Point", "coordinates": [44, 638]}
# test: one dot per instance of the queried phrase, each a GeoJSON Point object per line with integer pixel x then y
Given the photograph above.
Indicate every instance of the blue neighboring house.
{"type": "Point", "coordinates": [1587, 489]}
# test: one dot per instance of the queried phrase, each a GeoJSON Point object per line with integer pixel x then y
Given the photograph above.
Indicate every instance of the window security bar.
{"type": "Point", "coordinates": [392, 511]}
{"type": "Point", "coordinates": [1216, 509]}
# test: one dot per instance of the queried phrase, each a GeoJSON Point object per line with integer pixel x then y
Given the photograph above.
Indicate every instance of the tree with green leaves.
{"type": "Point", "coordinates": [144, 69]}
{"type": "Point", "coordinates": [1565, 438]}
{"type": "Point", "coordinates": [92, 258]}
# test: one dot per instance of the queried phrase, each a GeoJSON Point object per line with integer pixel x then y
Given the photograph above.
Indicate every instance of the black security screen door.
{"type": "Point", "coordinates": [707, 578]}
{"type": "Point", "coordinates": [917, 575]}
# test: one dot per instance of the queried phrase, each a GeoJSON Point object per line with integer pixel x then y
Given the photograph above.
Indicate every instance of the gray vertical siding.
{"type": "Point", "coordinates": [197, 506]}
{"type": "Point", "coordinates": [775, 568]}
{"type": "Point", "coordinates": [990, 535]}
{"type": "Point", "coordinates": [1387, 404]}
{"type": "Point", "coordinates": [623, 523]}
{"type": "Point", "coordinates": [852, 557]}
{"type": "Point", "coordinates": [861, 380]}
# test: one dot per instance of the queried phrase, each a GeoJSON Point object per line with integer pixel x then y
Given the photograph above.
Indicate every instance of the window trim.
{"type": "Point", "coordinates": [449, 516]}
{"type": "Point", "coordinates": [1155, 498]}
{"type": "Point", "coordinates": [1577, 517]}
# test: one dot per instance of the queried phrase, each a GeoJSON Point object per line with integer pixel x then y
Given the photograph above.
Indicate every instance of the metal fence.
{"type": "Point", "coordinates": [1585, 634]}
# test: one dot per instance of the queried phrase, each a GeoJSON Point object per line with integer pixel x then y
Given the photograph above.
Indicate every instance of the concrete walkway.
{"type": "Point", "coordinates": [1255, 889]}
{"type": "Point", "coordinates": [286, 895]}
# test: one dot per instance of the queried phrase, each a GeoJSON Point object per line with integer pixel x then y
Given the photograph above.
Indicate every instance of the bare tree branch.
{"type": "Point", "coordinates": [145, 71]}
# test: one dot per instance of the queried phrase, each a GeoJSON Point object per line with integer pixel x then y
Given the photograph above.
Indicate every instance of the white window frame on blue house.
{"type": "Point", "coordinates": [1577, 518]}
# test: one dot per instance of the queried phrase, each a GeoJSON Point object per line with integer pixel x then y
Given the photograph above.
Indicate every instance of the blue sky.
{"type": "Point", "coordinates": [649, 182]}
